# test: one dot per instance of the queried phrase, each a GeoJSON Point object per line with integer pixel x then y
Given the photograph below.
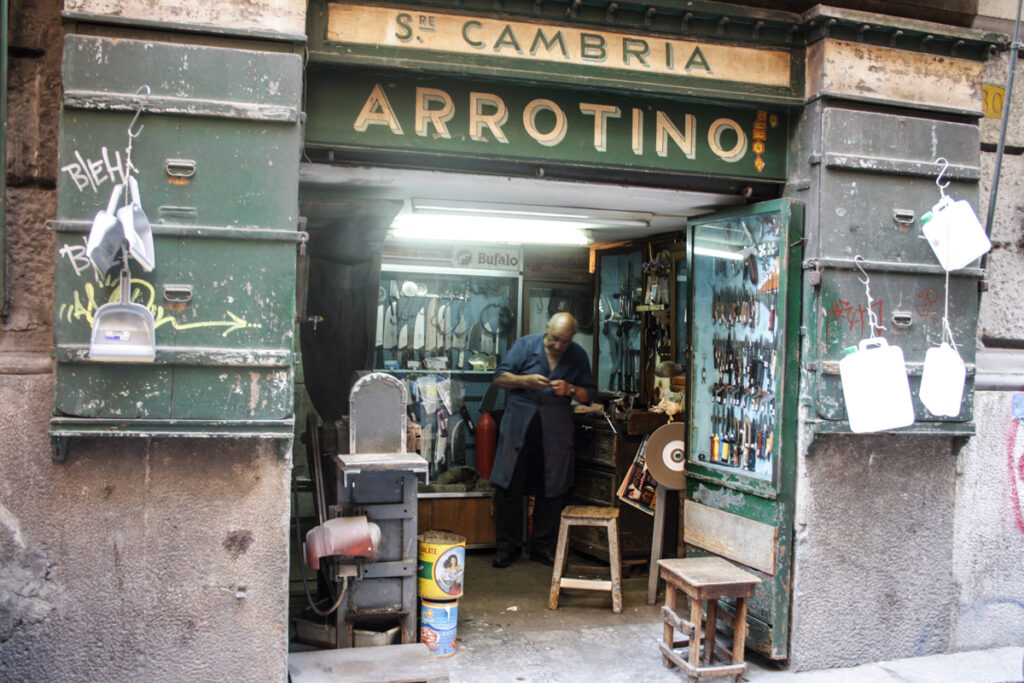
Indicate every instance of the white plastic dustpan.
{"type": "Point", "coordinates": [137, 229]}
{"type": "Point", "coordinates": [105, 236]}
{"type": "Point", "coordinates": [123, 332]}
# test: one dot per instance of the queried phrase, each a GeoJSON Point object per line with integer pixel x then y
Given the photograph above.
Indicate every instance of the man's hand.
{"type": "Point", "coordinates": [536, 381]}
{"type": "Point", "coordinates": [561, 388]}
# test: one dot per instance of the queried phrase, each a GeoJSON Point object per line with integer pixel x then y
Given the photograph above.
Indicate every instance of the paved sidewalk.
{"type": "Point", "coordinates": [1001, 665]}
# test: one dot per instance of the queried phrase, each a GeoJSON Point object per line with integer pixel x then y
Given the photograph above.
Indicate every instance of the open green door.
{"type": "Point", "coordinates": [744, 346]}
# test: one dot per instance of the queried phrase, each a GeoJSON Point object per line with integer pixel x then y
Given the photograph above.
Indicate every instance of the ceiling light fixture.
{"type": "Point", "coordinates": [590, 217]}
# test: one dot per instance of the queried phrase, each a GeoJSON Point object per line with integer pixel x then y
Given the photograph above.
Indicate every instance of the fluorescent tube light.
{"type": "Point", "coordinates": [590, 217]}
{"type": "Point", "coordinates": [428, 228]}
{"type": "Point", "coordinates": [718, 253]}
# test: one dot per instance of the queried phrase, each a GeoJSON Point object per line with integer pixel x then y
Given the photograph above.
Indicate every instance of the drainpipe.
{"type": "Point", "coordinates": [1014, 49]}
{"type": "Point", "coordinates": [3, 158]}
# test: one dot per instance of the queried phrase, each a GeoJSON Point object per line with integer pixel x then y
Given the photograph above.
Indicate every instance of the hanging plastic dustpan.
{"type": "Point", "coordinates": [876, 387]}
{"type": "Point", "coordinates": [106, 236]}
{"type": "Point", "coordinates": [137, 229]}
{"type": "Point", "coordinates": [123, 332]}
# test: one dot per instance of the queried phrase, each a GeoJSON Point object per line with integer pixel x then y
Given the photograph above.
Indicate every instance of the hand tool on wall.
{"type": "Point", "coordinates": [403, 342]}
{"type": "Point", "coordinates": [442, 326]}
{"type": "Point", "coordinates": [459, 338]}
{"type": "Point", "coordinates": [430, 334]}
{"type": "Point", "coordinates": [419, 333]}
{"type": "Point", "coordinates": [474, 337]}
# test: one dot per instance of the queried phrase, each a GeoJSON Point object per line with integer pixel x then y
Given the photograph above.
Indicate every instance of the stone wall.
{"type": "Point", "coordinates": [135, 559]}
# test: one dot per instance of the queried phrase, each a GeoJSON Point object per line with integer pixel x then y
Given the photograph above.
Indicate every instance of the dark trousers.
{"type": "Point", "coordinates": [528, 477]}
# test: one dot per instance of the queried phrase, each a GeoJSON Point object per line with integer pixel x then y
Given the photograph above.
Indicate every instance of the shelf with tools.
{"type": "Point", "coordinates": [443, 331]}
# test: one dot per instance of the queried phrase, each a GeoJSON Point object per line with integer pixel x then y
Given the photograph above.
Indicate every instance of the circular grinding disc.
{"type": "Point", "coordinates": [666, 455]}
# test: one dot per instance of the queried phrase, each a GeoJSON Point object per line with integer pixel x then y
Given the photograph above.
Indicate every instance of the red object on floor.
{"type": "Point", "coordinates": [486, 443]}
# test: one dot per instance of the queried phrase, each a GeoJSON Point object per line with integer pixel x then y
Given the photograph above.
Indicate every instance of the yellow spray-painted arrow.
{"type": "Point", "coordinates": [79, 309]}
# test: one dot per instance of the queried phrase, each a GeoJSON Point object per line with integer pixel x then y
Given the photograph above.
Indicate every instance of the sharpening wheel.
{"type": "Point", "coordinates": [666, 455]}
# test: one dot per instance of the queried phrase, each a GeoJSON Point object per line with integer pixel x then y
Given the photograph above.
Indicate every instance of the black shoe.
{"type": "Point", "coordinates": [501, 560]}
{"type": "Point", "coordinates": [545, 557]}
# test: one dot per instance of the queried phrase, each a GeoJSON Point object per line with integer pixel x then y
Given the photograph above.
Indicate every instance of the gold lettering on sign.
{"type": "Point", "coordinates": [545, 121]}
{"type": "Point", "coordinates": [377, 111]}
{"type": "Point", "coordinates": [375, 26]}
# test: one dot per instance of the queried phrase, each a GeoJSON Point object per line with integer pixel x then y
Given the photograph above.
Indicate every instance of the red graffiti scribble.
{"type": "Point", "coordinates": [851, 313]}
{"type": "Point", "coordinates": [927, 305]}
{"type": "Point", "coordinates": [1016, 474]}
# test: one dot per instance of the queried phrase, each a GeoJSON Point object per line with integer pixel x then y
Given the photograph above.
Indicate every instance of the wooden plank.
{"type": "Point", "coordinates": [744, 540]}
{"type": "Point", "coordinates": [642, 422]}
{"type": "Point", "coordinates": [587, 584]}
{"type": "Point", "coordinates": [386, 664]}
{"type": "Point", "coordinates": [468, 517]}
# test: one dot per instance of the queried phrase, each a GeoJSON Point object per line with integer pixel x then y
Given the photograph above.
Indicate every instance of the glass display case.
{"type": "Point", "coordinates": [443, 331]}
{"type": "Point", "coordinates": [735, 356]}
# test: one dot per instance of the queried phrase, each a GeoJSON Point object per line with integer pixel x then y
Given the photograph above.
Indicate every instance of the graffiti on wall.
{"type": "Point", "coordinates": [848, 316]}
{"type": "Point", "coordinates": [85, 300]}
{"type": "Point", "coordinates": [1015, 463]}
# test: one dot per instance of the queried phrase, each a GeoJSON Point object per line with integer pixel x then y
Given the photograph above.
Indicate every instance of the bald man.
{"type": "Point", "coordinates": [545, 373]}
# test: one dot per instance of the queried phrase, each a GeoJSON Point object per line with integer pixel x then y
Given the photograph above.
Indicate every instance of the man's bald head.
{"type": "Point", "coordinates": [561, 329]}
{"type": "Point", "coordinates": [562, 324]}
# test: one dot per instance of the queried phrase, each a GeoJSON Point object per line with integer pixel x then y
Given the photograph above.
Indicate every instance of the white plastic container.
{"type": "Point", "coordinates": [942, 382]}
{"type": "Point", "coordinates": [954, 233]}
{"type": "Point", "coordinates": [876, 387]}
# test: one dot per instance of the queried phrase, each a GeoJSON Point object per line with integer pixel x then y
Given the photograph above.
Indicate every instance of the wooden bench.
{"type": "Point", "coordinates": [704, 579]}
{"type": "Point", "coordinates": [588, 515]}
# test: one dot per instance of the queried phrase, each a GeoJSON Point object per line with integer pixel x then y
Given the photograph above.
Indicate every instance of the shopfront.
{"type": "Point", "coordinates": [738, 177]}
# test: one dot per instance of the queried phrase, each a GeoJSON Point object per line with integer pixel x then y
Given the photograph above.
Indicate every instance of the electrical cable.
{"type": "Point", "coordinates": [302, 572]}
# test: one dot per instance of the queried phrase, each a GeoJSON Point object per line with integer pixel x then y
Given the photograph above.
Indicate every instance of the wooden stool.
{"type": "Point", "coordinates": [588, 515]}
{"type": "Point", "coordinates": [705, 578]}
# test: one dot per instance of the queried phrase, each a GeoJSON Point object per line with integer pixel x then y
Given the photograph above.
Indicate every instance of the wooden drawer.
{"type": "Point", "coordinates": [472, 517]}
{"type": "Point", "coordinates": [595, 445]}
{"type": "Point", "coordinates": [594, 486]}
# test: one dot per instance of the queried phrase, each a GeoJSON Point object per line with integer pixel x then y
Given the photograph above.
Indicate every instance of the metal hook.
{"type": "Point", "coordinates": [857, 260]}
{"type": "Point", "coordinates": [137, 113]}
{"type": "Point", "coordinates": [938, 181]}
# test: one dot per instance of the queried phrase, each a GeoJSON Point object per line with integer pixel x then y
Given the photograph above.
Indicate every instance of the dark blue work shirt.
{"type": "Point", "coordinates": [527, 357]}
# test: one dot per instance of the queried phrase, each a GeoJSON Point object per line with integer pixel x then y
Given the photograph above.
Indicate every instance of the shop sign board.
{"type": "Point", "coordinates": [472, 257]}
{"type": "Point", "coordinates": [497, 120]}
{"type": "Point", "coordinates": [529, 43]}
{"type": "Point", "coordinates": [562, 264]}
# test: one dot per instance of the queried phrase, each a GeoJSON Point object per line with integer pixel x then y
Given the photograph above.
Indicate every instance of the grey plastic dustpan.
{"type": "Point", "coordinates": [123, 332]}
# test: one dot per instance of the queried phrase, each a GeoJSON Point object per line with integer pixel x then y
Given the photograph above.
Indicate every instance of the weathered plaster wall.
{"type": "Point", "coordinates": [134, 560]}
{"type": "Point", "coordinates": [988, 530]}
{"type": "Point", "coordinates": [286, 17]}
{"type": "Point", "coordinates": [903, 547]}
{"type": "Point", "coordinates": [1000, 305]}
{"type": "Point", "coordinates": [156, 560]}
{"type": "Point", "coordinates": [874, 550]}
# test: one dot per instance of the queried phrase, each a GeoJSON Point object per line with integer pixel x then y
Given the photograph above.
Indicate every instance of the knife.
{"type": "Point", "coordinates": [442, 330]}
{"type": "Point", "coordinates": [403, 337]}
{"type": "Point", "coordinates": [418, 332]}
{"type": "Point", "coordinates": [474, 337]}
{"type": "Point", "coordinates": [390, 332]}
{"type": "Point", "coordinates": [459, 339]}
{"type": "Point", "coordinates": [430, 336]}
{"type": "Point", "coordinates": [379, 339]}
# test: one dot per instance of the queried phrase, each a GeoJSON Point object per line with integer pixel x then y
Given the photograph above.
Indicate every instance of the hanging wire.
{"type": "Point", "coordinates": [128, 165]}
{"type": "Point", "coordinates": [938, 180]}
{"type": "Point", "coordinates": [873, 321]}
